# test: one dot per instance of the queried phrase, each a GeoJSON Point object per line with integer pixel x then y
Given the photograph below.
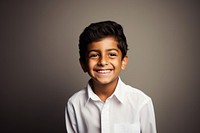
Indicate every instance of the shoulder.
{"type": "Point", "coordinates": [137, 92]}
{"type": "Point", "coordinates": [77, 97]}
{"type": "Point", "coordinates": [135, 95]}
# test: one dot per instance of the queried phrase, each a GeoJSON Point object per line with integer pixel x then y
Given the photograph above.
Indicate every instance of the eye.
{"type": "Point", "coordinates": [93, 55]}
{"type": "Point", "coordinates": [112, 55]}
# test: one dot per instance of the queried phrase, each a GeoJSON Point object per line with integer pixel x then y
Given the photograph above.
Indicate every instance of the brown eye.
{"type": "Point", "coordinates": [93, 56]}
{"type": "Point", "coordinates": [112, 55]}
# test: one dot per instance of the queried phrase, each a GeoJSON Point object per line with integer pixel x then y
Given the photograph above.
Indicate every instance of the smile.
{"type": "Point", "coordinates": [104, 71]}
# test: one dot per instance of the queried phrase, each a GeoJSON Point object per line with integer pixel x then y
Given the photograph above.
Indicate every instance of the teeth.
{"type": "Point", "coordinates": [103, 71]}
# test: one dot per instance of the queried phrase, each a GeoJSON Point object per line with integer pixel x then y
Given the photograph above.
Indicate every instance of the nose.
{"type": "Point", "coordinates": [102, 61]}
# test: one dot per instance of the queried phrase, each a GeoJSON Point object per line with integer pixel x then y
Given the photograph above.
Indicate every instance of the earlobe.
{"type": "Point", "coordinates": [82, 65]}
{"type": "Point", "coordinates": [124, 62]}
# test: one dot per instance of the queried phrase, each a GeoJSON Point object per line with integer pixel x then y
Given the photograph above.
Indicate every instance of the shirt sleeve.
{"type": "Point", "coordinates": [70, 119]}
{"type": "Point", "coordinates": [147, 118]}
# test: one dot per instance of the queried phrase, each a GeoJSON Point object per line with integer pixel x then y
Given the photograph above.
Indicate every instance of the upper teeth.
{"type": "Point", "coordinates": [103, 71]}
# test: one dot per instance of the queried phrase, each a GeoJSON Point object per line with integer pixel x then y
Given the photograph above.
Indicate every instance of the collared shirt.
{"type": "Point", "coordinates": [127, 110]}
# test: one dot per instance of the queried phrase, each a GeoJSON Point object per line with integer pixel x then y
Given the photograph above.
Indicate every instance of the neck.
{"type": "Point", "coordinates": [103, 91]}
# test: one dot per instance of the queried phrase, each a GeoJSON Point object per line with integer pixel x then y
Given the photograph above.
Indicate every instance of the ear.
{"type": "Point", "coordinates": [83, 66]}
{"type": "Point", "coordinates": [124, 62]}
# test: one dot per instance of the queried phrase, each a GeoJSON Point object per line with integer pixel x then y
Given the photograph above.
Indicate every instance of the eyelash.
{"type": "Point", "coordinates": [93, 55]}
{"type": "Point", "coordinates": [112, 55]}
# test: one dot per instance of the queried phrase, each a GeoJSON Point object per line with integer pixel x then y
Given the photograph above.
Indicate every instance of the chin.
{"type": "Point", "coordinates": [105, 81]}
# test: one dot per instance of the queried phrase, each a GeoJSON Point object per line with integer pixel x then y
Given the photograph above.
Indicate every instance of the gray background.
{"type": "Point", "coordinates": [40, 68]}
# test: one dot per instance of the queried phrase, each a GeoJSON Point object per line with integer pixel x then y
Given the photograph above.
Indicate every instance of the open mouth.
{"type": "Point", "coordinates": [106, 71]}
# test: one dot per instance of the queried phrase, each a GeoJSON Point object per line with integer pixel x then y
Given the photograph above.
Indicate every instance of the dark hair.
{"type": "Point", "coordinates": [97, 31]}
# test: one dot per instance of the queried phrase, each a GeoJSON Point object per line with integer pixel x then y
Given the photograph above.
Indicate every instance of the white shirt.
{"type": "Point", "coordinates": [127, 110]}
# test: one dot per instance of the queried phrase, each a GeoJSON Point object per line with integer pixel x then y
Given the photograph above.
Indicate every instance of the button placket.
{"type": "Point", "coordinates": [105, 126]}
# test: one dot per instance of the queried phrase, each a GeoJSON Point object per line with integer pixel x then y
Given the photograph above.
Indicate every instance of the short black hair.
{"type": "Point", "coordinates": [100, 30]}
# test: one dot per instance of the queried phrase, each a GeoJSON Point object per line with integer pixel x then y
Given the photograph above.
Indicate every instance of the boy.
{"type": "Point", "coordinates": [107, 105]}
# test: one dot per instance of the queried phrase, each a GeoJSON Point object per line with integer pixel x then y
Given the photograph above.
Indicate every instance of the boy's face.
{"type": "Point", "coordinates": [104, 61]}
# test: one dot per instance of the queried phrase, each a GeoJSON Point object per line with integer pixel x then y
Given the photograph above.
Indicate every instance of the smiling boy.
{"type": "Point", "coordinates": [106, 104]}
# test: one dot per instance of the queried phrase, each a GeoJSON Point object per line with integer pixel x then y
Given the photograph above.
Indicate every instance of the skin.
{"type": "Point", "coordinates": [104, 63]}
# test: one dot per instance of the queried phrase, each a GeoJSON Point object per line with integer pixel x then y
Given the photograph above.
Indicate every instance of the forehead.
{"type": "Point", "coordinates": [104, 44]}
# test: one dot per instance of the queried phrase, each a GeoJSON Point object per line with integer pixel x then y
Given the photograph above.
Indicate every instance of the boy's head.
{"type": "Point", "coordinates": [98, 31]}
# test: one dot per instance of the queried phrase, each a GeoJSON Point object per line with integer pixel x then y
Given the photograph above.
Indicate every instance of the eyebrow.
{"type": "Point", "coordinates": [106, 50]}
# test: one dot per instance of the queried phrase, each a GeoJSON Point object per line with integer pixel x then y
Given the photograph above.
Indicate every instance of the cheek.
{"type": "Point", "coordinates": [91, 64]}
{"type": "Point", "coordinates": [117, 64]}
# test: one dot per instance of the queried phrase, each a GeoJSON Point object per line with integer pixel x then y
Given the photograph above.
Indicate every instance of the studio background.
{"type": "Point", "coordinates": [40, 68]}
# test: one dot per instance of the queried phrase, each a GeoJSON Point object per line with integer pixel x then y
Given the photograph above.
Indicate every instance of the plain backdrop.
{"type": "Point", "coordinates": [40, 70]}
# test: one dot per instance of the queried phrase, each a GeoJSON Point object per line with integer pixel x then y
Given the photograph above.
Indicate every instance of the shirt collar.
{"type": "Point", "coordinates": [118, 93]}
{"type": "Point", "coordinates": [91, 94]}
